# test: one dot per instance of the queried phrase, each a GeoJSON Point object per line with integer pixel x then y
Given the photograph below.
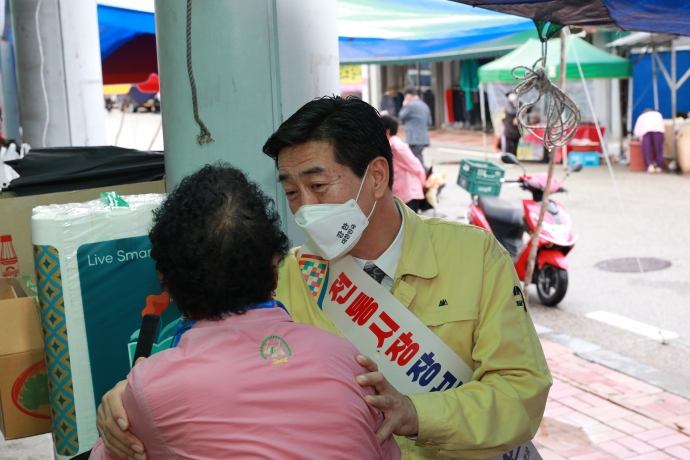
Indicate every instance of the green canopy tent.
{"type": "Point", "coordinates": [595, 63]}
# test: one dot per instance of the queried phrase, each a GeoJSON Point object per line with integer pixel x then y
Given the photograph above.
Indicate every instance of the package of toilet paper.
{"type": "Point", "coordinates": [94, 273]}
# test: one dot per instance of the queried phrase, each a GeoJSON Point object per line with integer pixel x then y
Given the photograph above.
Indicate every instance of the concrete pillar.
{"type": "Point", "coordinates": [375, 85]}
{"type": "Point", "coordinates": [437, 86]}
{"type": "Point", "coordinates": [255, 63]}
{"type": "Point", "coordinates": [447, 83]}
{"type": "Point", "coordinates": [366, 95]}
{"type": "Point", "coordinates": [391, 78]}
{"type": "Point", "coordinates": [383, 75]}
{"type": "Point", "coordinates": [10, 103]}
{"type": "Point", "coordinates": [65, 107]}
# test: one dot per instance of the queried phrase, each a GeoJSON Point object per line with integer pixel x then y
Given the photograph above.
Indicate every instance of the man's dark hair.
{"type": "Point", "coordinates": [411, 90]}
{"type": "Point", "coordinates": [214, 240]}
{"type": "Point", "coordinates": [351, 126]}
{"type": "Point", "coordinates": [390, 124]}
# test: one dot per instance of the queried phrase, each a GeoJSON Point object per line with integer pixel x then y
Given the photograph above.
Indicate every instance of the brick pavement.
{"type": "Point", "coordinates": [595, 413]}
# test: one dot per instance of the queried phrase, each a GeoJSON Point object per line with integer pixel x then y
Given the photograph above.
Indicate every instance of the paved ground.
{"type": "Point", "coordinates": [657, 208]}
{"type": "Point", "coordinates": [594, 413]}
{"type": "Point", "coordinates": [138, 130]}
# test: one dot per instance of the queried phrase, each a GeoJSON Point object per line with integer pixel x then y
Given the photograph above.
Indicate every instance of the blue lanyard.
{"type": "Point", "coordinates": [184, 326]}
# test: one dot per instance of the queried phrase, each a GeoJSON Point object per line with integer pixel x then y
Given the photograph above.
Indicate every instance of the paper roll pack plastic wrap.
{"type": "Point", "coordinates": [94, 273]}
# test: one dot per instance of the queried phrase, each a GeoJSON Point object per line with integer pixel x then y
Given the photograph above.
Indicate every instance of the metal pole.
{"type": "Point", "coordinates": [561, 82]}
{"type": "Point", "coordinates": [655, 82]}
{"type": "Point", "coordinates": [534, 241]}
{"type": "Point", "coordinates": [673, 164]}
{"type": "Point", "coordinates": [629, 120]}
{"type": "Point", "coordinates": [483, 113]}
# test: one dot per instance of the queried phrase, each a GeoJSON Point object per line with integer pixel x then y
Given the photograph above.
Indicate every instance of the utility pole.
{"type": "Point", "coordinates": [58, 65]}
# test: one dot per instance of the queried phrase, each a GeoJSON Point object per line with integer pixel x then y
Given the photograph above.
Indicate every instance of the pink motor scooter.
{"type": "Point", "coordinates": [513, 226]}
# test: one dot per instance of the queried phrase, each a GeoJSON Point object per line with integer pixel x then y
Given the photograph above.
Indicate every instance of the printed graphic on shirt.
{"type": "Point", "coordinates": [443, 303]}
{"type": "Point", "coordinates": [275, 349]}
{"type": "Point", "coordinates": [314, 271]}
{"type": "Point", "coordinates": [519, 298]}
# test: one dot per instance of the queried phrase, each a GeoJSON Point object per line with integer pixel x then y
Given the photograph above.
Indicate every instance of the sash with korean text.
{"type": "Point", "coordinates": [411, 357]}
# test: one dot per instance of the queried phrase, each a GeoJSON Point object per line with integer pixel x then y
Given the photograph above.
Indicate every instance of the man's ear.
{"type": "Point", "coordinates": [379, 171]}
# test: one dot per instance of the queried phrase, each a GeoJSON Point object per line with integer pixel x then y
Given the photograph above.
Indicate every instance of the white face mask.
{"type": "Point", "coordinates": [334, 228]}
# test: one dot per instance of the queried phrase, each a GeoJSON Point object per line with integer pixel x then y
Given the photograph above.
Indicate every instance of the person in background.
{"type": "Point", "coordinates": [416, 116]}
{"type": "Point", "coordinates": [387, 105]}
{"type": "Point", "coordinates": [409, 176]}
{"type": "Point", "coordinates": [510, 125]}
{"type": "Point", "coordinates": [243, 380]}
{"type": "Point", "coordinates": [650, 129]}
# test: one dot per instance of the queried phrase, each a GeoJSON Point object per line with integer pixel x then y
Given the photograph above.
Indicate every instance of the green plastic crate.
{"type": "Point", "coordinates": [480, 177]}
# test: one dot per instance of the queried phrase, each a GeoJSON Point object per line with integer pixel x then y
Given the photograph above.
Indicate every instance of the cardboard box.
{"type": "Point", "coordinates": [24, 403]}
{"type": "Point", "coordinates": [16, 249]}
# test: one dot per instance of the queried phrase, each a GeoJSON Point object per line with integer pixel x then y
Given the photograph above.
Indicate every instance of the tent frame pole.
{"type": "Point", "coordinates": [673, 165]}
{"type": "Point", "coordinates": [629, 121]}
{"type": "Point", "coordinates": [655, 84]}
{"type": "Point", "coordinates": [682, 80]}
{"type": "Point", "coordinates": [561, 82]}
{"type": "Point", "coordinates": [673, 85]}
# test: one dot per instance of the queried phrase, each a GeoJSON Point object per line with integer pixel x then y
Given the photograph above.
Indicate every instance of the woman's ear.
{"type": "Point", "coordinates": [162, 280]}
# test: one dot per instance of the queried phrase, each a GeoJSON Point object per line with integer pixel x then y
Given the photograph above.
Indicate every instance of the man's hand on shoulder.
{"type": "Point", "coordinates": [113, 426]}
{"type": "Point", "coordinates": [399, 411]}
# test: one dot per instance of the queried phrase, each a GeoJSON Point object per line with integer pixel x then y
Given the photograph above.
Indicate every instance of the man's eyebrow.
{"type": "Point", "coordinates": [313, 170]}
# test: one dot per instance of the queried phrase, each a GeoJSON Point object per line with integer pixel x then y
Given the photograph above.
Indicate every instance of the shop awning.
{"type": "Point", "coordinates": [127, 30]}
{"type": "Point", "coordinates": [595, 62]}
{"type": "Point", "coordinates": [370, 31]}
{"type": "Point", "coordinates": [662, 16]}
{"type": "Point", "coordinates": [400, 31]}
{"type": "Point", "coordinates": [492, 48]}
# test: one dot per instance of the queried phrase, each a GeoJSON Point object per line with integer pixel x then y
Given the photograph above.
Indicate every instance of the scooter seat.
{"type": "Point", "coordinates": [498, 210]}
{"type": "Point", "coordinates": [506, 223]}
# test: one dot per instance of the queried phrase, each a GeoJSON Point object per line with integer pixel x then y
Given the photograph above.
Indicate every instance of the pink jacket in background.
{"type": "Point", "coordinates": [409, 176]}
{"type": "Point", "coordinates": [649, 122]}
{"type": "Point", "coordinates": [253, 386]}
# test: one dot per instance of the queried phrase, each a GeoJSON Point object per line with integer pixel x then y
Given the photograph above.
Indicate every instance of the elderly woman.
{"type": "Point", "coordinates": [243, 380]}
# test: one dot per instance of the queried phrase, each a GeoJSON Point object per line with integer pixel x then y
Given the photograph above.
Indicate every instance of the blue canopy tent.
{"type": "Point", "coordinates": [656, 16]}
{"type": "Point", "coordinates": [387, 31]}
{"type": "Point", "coordinates": [371, 31]}
{"type": "Point", "coordinates": [127, 32]}
{"type": "Point", "coordinates": [662, 16]}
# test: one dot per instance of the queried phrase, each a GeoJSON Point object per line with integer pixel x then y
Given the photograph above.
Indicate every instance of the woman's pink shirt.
{"type": "Point", "coordinates": [409, 176]}
{"type": "Point", "coordinates": [255, 385]}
